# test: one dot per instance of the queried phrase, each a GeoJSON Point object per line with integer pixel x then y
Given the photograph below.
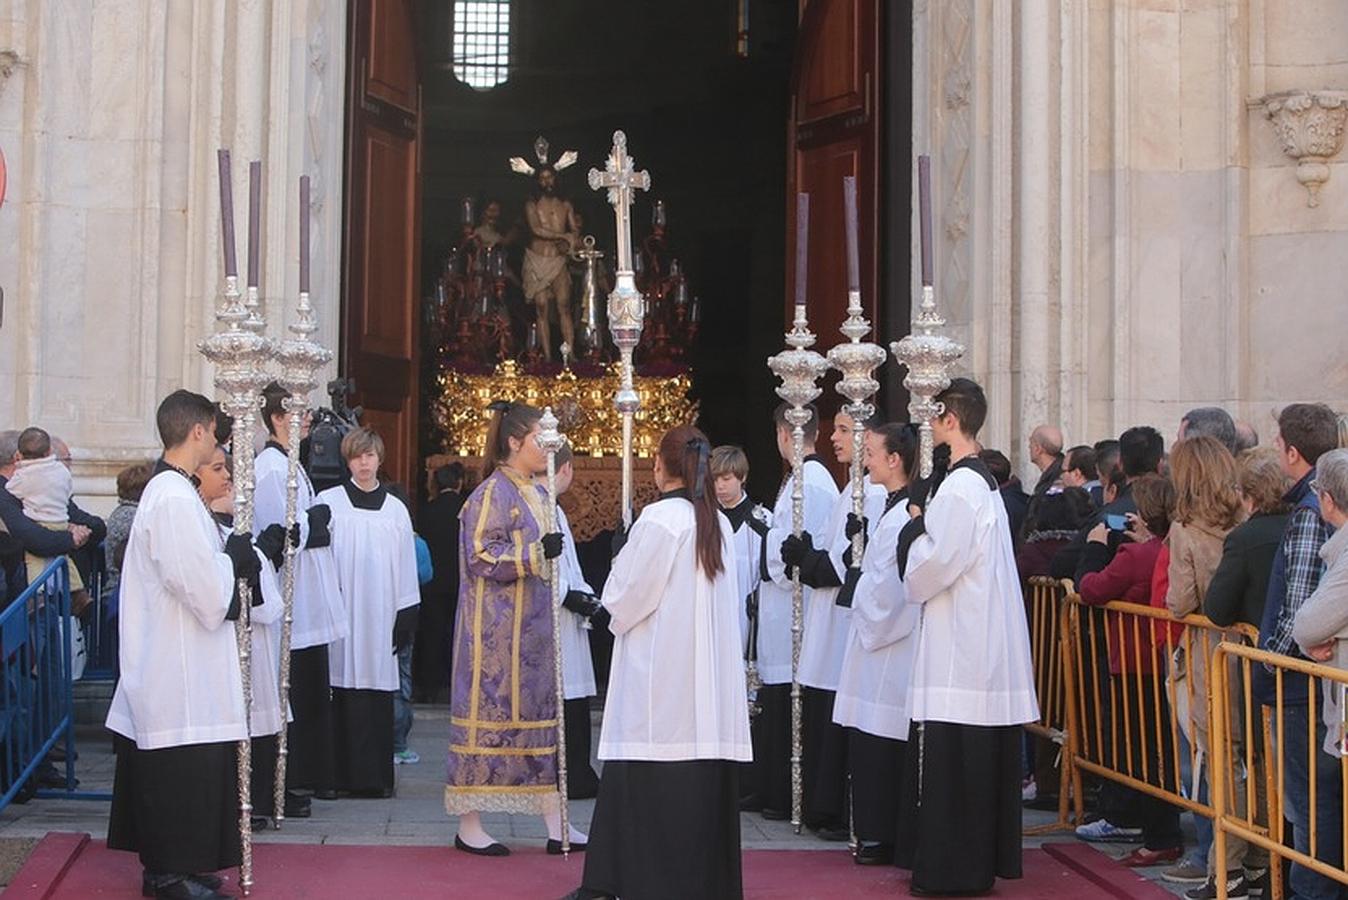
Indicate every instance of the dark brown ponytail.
{"type": "Point", "coordinates": [684, 452]}
{"type": "Point", "coordinates": [508, 420]}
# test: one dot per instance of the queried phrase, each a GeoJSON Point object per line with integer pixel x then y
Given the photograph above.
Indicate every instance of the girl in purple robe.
{"type": "Point", "coordinates": [503, 696]}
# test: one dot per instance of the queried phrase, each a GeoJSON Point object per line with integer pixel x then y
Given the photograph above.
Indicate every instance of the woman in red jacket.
{"type": "Point", "coordinates": [1136, 660]}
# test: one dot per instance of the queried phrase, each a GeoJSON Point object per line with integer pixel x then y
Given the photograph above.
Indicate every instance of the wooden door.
{"type": "Point", "coordinates": [382, 246]}
{"type": "Point", "coordinates": [835, 131]}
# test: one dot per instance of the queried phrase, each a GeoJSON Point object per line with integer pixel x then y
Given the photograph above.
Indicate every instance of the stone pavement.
{"type": "Point", "coordinates": [415, 816]}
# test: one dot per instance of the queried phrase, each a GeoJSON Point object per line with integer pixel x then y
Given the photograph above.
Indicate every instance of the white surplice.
{"type": "Point", "coordinates": [877, 669]}
{"type": "Point", "coordinates": [748, 548]}
{"type": "Point", "coordinates": [179, 662]}
{"type": "Point", "coordinates": [676, 691]}
{"type": "Point", "coordinates": [319, 615]}
{"type": "Point", "coordinates": [577, 664]}
{"type": "Point", "coordinates": [377, 571]}
{"type": "Point", "coordinates": [774, 596]}
{"type": "Point", "coordinates": [826, 623]}
{"type": "Point", "coordinates": [264, 715]}
{"type": "Point", "coordinates": [973, 653]}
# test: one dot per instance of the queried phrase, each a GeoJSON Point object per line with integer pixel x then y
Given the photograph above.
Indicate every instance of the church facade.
{"type": "Point", "coordinates": [1141, 205]}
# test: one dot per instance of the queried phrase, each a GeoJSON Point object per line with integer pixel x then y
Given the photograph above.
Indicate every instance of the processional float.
{"type": "Point", "coordinates": [240, 353]}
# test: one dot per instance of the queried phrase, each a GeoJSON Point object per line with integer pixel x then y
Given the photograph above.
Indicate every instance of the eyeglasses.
{"type": "Point", "coordinates": [1314, 486]}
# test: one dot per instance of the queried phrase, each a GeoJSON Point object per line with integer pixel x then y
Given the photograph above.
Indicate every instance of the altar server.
{"type": "Point", "coordinates": [377, 572]}
{"type": "Point", "coordinates": [178, 711]}
{"type": "Point", "coordinates": [676, 722]}
{"type": "Point", "coordinates": [730, 470]}
{"type": "Point", "coordinates": [877, 666]}
{"type": "Point", "coordinates": [772, 742]}
{"type": "Point", "coordinates": [319, 616]}
{"type": "Point", "coordinates": [824, 569]}
{"type": "Point", "coordinates": [580, 608]}
{"type": "Point", "coordinates": [959, 826]}
{"type": "Point", "coordinates": [215, 485]}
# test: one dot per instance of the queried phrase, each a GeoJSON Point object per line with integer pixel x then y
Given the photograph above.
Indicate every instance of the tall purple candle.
{"type": "Point", "coordinates": [850, 213]}
{"type": "Point", "coordinates": [227, 213]}
{"type": "Point", "coordinates": [254, 219]}
{"type": "Point", "coordinates": [924, 215]}
{"type": "Point", "coordinates": [304, 234]}
{"type": "Point", "coordinates": [802, 246]}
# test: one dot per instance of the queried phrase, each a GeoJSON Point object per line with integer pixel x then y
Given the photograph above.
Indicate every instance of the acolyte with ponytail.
{"type": "Point", "coordinates": [684, 453]}
{"type": "Point", "coordinates": [508, 420]}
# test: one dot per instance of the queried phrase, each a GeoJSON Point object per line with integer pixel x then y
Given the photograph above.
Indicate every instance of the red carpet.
{"type": "Point", "coordinates": [66, 866]}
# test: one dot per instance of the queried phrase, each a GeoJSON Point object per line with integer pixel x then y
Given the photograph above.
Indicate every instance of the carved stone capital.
{"type": "Point", "coordinates": [1310, 126]}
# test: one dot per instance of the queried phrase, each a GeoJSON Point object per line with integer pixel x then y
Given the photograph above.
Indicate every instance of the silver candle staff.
{"type": "Point", "coordinates": [925, 352]}
{"type": "Point", "coordinates": [301, 359]}
{"type": "Point", "coordinates": [799, 369]}
{"type": "Point", "coordinates": [240, 352]}
{"type": "Point", "coordinates": [550, 440]}
{"type": "Point", "coordinates": [626, 306]}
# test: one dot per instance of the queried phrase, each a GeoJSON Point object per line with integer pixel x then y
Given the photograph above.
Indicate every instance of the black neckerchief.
{"type": "Point", "coordinates": [225, 520]}
{"type": "Point", "coordinates": [812, 457]}
{"type": "Point", "coordinates": [739, 513]}
{"type": "Point", "coordinates": [163, 465]}
{"type": "Point", "coordinates": [895, 498]}
{"type": "Point", "coordinates": [275, 445]}
{"type": "Point", "coordinates": [370, 500]}
{"type": "Point", "coordinates": [677, 493]}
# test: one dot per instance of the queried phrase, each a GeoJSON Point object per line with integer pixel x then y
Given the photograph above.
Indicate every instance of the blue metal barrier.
{"type": "Point", "coordinates": [35, 673]}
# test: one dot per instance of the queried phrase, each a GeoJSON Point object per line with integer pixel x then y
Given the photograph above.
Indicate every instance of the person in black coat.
{"type": "Point", "coordinates": [1239, 587]}
{"type": "Point", "coordinates": [439, 527]}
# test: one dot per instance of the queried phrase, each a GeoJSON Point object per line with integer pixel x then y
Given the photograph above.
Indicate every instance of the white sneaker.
{"type": "Point", "coordinates": [1103, 831]}
{"type": "Point", "coordinates": [406, 758]}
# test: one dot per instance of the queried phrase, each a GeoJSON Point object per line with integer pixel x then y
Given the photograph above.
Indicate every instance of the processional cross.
{"type": "Point", "coordinates": [626, 306]}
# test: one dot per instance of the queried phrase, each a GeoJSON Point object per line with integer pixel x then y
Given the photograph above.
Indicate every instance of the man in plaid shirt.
{"type": "Point", "coordinates": [1305, 431]}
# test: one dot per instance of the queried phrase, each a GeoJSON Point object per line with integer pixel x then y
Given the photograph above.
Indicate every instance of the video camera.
{"type": "Point", "coordinates": [330, 424]}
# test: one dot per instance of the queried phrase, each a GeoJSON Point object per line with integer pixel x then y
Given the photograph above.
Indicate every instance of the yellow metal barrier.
{"type": "Point", "coordinates": [1140, 678]}
{"type": "Point", "coordinates": [1053, 684]}
{"type": "Point", "coordinates": [1232, 666]}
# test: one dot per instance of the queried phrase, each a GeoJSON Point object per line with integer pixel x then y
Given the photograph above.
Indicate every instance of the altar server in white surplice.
{"type": "Point", "coordinates": [959, 824]}
{"type": "Point", "coordinates": [178, 711]}
{"type": "Point", "coordinates": [377, 571]}
{"type": "Point", "coordinates": [216, 487]}
{"type": "Point", "coordinates": [319, 614]}
{"type": "Point", "coordinates": [772, 727]}
{"type": "Point", "coordinates": [824, 559]}
{"type": "Point", "coordinates": [877, 668]}
{"type": "Point", "coordinates": [580, 611]}
{"type": "Point", "coordinates": [676, 720]}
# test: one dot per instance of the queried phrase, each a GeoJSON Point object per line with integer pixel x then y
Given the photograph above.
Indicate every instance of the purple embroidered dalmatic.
{"type": "Point", "coordinates": [503, 699]}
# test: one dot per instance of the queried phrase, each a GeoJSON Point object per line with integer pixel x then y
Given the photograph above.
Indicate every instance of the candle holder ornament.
{"type": "Point", "coordinates": [301, 359]}
{"type": "Point", "coordinates": [626, 305]}
{"type": "Point", "coordinates": [929, 357]}
{"type": "Point", "coordinates": [857, 360]}
{"type": "Point", "coordinates": [550, 441]}
{"type": "Point", "coordinates": [799, 369]}
{"type": "Point", "coordinates": [240, 356]}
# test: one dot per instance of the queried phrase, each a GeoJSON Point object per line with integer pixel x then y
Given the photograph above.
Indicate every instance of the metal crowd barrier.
{"type": "Point", "coordinates": [35, 706]}
{"type": "Point", "coordinates": [1233, 667]}
{"type": "Point", "coordinates": [1049, 651]}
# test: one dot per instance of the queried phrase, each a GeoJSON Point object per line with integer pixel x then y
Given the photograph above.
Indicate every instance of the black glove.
{"type": "Point", "coordinates": [272, 543]}
{"type": "Point", "coordinates": [581, 603]}
{"type": "Point", "coordinates": [619, 541]}
{"type": "Point", "coordinates": [239, 549]}
{"type": "Point", "coordinates": [855, 525]}
{"type": "Point", "coordinates": [601, 618]}
{"type": "Point", "coordinates": [320, 534]}
{"type": "Point", "coordinates": [848, 590]}
{"type": "Point", "coordinates": [552, 545]}
{"type": "Point", "coordinates": [794, 549]}
{"type": "Point", "coordinates": [405, 627]}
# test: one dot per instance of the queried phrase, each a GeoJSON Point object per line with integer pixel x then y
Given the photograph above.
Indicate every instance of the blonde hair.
{"type": "Point", "coordinates": [1204, 474]}
{"type": "Point", "coordinates": [1262, 480]}
{"type": "Point", "coordinates": [361, 441]}
{"type": "Point", "coordinates": [728, 459]}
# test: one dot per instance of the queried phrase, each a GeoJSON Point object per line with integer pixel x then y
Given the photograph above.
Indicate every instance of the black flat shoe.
{"type": "Point", "coordinates": [832, 832]}
{"type": "Point", "coordinates": [184, 889]}
{"type": "Point", "coordinates": [775, 815]}
{"type": "Point", "coordinates": [555, 847]}
{"type": "Point", "coordinates": [326, 794]}
{"type": "Point", "coordinates": [751, 803]}
{"type": "Point", "coordinates": [874, 854]}
{"type": "Point", "coordinates": [493, 849]}
{"type": "Point", "coordinates": [206, 880]}
{"type": "Point", "coordinates": [298, 808]}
